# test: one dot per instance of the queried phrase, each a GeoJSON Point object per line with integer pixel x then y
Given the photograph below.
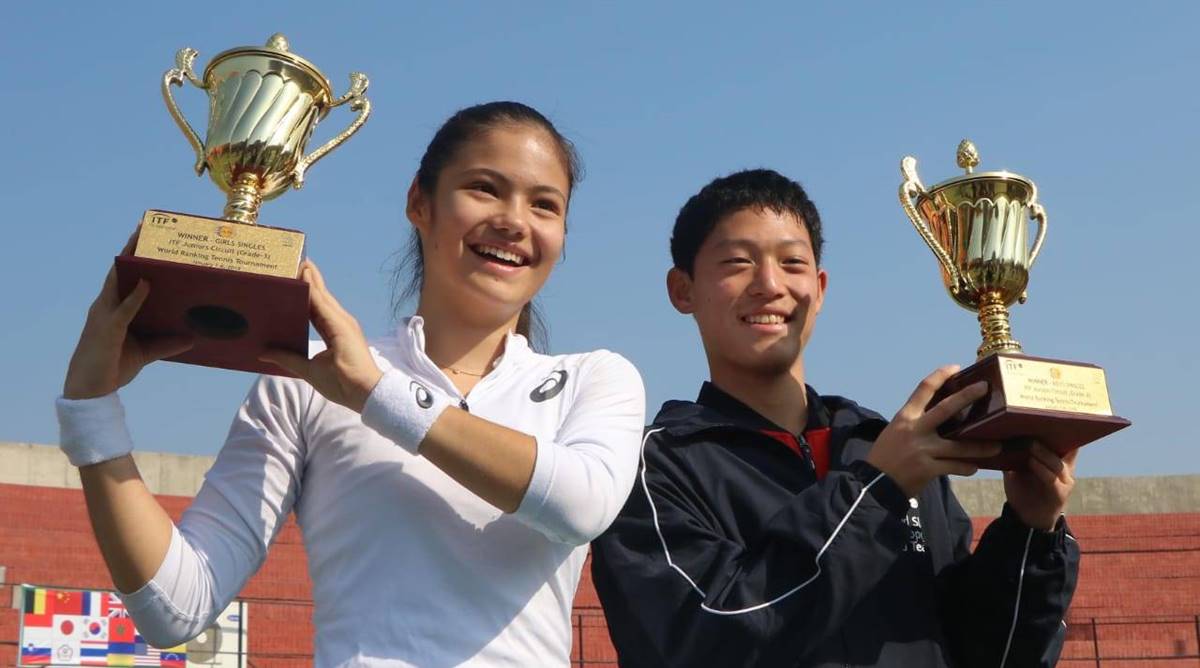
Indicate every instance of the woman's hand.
{"type": "Point", "coordinates": [107, 356]}
{"type": "Point", "coordinates": [345, 372]}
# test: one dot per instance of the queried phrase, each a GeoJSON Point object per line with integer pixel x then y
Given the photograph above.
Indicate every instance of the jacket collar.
{"type": "Point", "coordinates": [717, 409]}
{"type": "Point", "coordinates": [409, 344]}
{"type": "Point", "coordinates": [411, 336]}
{"type": "Point", "coordinates": [741, 415]}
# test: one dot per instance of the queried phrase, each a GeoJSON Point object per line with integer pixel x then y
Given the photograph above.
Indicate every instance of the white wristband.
{"type": "Point", "coordinates": [403, 409]}
{"type": "Point", "coordinates": [91, 431]}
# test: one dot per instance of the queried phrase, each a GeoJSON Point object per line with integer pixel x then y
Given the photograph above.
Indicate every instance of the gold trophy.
{"type": "Point", "coordinates": [977, 225]}
{"type": "Point", "coordinates": [228, 282]}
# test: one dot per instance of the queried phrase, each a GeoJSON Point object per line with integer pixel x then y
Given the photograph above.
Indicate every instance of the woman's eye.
{"type": "Point", "coordinates": [547, 205]}
{"type": "Point", "coordinates": [483, 187]}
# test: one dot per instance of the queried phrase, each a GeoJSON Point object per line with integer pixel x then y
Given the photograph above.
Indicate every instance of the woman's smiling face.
{"type": "Point", "coordinates": [494, 227]}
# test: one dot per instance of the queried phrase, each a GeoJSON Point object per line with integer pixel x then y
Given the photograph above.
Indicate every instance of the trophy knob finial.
{"type": "Point", "coordinates": [277, 42]}
{"type": "Point", "coordinates": [967, 156]}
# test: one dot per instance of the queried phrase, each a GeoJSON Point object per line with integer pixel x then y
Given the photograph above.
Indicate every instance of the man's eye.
{"type": "Point", "coordinates": [737, 260]}
{"type": "Point", "coordinates": [483, 187]}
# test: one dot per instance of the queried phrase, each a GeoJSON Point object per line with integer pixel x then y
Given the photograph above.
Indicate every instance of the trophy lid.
{"type": "Point", "coordinates": [277, 49]}
{"type": "Point", "coordinates": [967, 157]}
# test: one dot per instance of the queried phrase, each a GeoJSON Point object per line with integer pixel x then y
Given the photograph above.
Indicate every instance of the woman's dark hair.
{"type": "Point", "coordinates": [464, 126]}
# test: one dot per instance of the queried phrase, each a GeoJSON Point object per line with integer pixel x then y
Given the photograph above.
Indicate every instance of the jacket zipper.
{"type": "Point", "coordinates": [808, 454]}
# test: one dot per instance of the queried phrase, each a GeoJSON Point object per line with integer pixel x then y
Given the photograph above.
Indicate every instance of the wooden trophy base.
{"type": "Point", "coordinates": [1063, 405]}
{"type": "Point", "coordinates": [234, 316]}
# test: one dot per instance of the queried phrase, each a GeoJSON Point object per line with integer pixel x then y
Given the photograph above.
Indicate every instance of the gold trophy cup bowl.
{"type": "Point", "coordinates": [228, 282]}
{"type": "Point", "coordinates": [264, 103]}
{"type": "Point", "coordinates": [978, 227]}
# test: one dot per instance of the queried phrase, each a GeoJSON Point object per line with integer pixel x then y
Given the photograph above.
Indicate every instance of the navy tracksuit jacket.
{"type": "Point", "coordinates": [731, 552]}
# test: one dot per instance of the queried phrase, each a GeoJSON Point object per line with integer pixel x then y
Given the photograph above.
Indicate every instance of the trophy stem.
{"type": "Point", "coordinates": [993, 324]}
{"type": "Point", "coordinates": [244, 199]}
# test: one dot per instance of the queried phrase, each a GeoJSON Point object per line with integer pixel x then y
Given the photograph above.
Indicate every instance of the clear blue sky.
{"type": "Point", "coordinates": [1097, 102]}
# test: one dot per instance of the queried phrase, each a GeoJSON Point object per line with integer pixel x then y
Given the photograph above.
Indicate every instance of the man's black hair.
{"type": "Point", "coordinates": [747, 189]}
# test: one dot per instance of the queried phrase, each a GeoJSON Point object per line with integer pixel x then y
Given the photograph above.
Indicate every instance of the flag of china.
{"type": "Point", "coordinates": [66, 602]}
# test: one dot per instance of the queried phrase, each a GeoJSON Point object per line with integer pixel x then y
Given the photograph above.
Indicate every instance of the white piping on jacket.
{"type": "Point", "coordinates": [1017, 603]}
{"type": "Point", "coordinates": [760, 606]}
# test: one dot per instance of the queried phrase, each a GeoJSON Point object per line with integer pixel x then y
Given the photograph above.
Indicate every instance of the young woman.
{"type": "Point", "coordinates": [447, 479]}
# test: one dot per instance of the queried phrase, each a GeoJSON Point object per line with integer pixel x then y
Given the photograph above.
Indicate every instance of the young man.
{"type": "Point", "coordinates": [773, 526]}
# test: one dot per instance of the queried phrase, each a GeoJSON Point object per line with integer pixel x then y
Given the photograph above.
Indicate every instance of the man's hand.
{"type": "Point", "coordinates": [1039, 493]}
{"type": "Point", "coordinates": [910, 450]}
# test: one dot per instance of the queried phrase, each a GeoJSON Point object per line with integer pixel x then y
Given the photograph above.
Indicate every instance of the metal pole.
{"type": "Point", "coordinates": [579, 637]}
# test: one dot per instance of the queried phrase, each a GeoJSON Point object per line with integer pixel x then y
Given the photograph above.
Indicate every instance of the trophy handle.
{"type": "Point", "coordinates": [1038, 213]}
{"type": "Point", "coordinates": [358, 102]}
{"type": "Point", "coordinates": [176, 76]}
{"type": "Point", "coordinates": [909, 190]}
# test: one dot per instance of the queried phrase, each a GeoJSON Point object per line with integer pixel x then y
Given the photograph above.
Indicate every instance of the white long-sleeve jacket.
{"type": "Point", "coordinates": [408, 567]}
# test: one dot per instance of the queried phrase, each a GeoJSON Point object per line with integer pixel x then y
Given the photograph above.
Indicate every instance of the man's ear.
{"type": "Point", "coordinates": [679, 290]}
{"type": "Point", "coordinates": [822, 285]}
{"type": "Point", "coordinates": [418, 208]}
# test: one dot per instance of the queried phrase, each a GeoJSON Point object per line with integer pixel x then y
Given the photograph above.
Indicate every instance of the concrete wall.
{"type": "Point", "coordinates": [46, 466]}
{"type": "Point", "coordinates": [181, 475]}
{"type": "Point", "coordinates": [1096, 496]}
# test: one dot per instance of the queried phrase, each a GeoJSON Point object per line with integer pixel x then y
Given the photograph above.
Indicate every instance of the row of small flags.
{"type": "Point", "coordinates": [61, 627]}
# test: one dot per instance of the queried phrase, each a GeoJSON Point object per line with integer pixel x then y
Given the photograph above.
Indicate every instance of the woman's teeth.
{"type": "Point", "coordinates": [501, 254]}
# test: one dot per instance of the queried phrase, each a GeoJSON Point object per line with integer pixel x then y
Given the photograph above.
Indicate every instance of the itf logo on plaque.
{"type": "Point", "coordinates": [70, 627]}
